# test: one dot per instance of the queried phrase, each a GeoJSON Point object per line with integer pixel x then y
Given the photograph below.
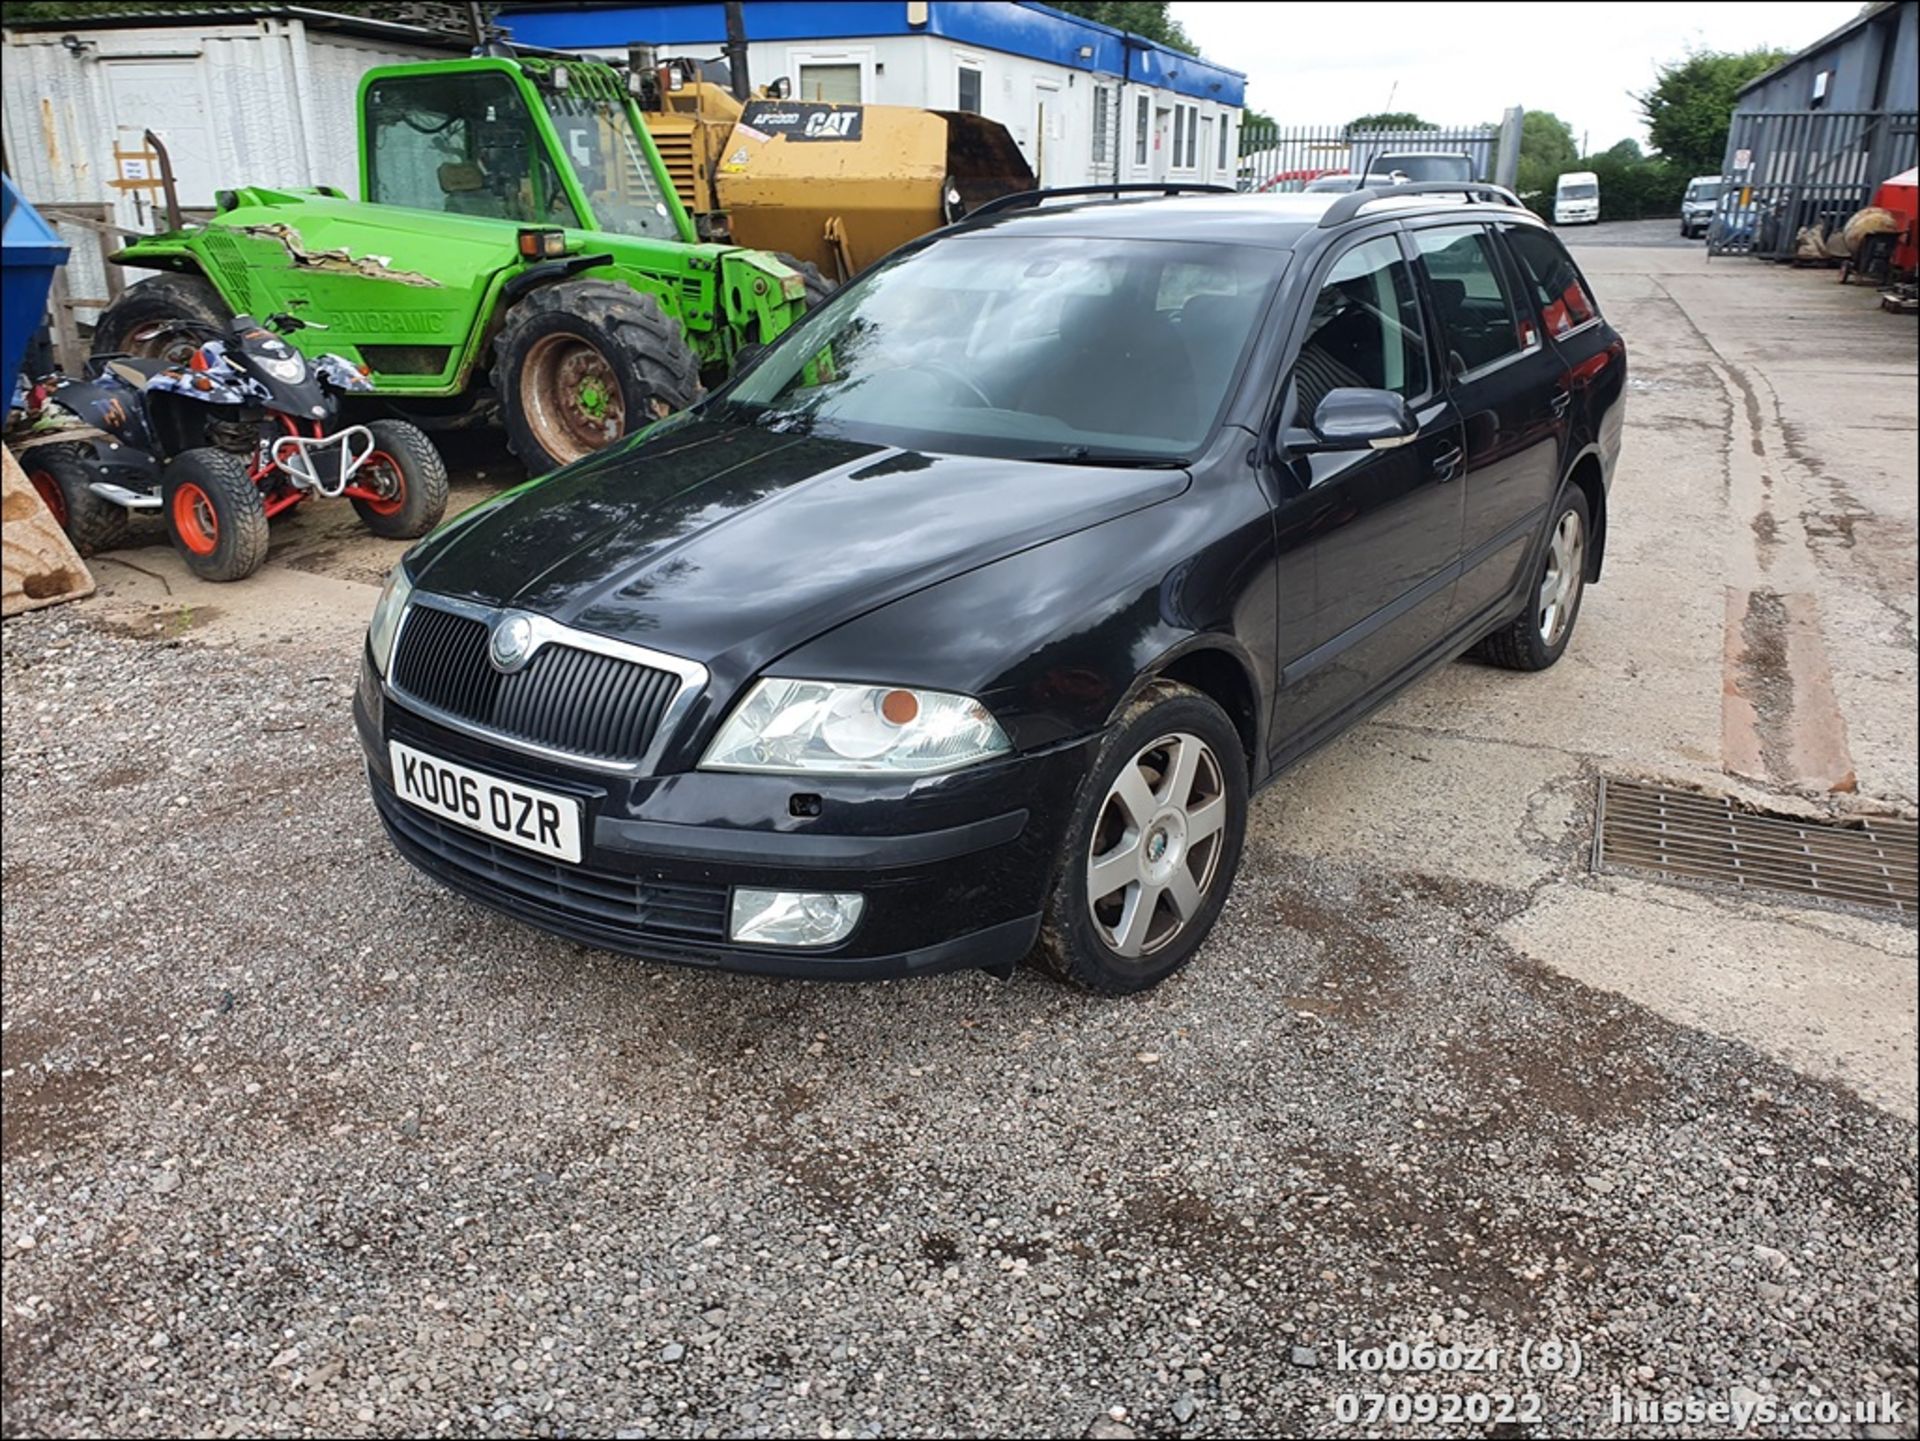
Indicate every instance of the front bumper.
{"type": "Point", "coordinates": [954, 868]}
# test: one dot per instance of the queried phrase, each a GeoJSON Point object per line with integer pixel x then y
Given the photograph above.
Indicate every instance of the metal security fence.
{"type": "Point", "coordinates": [1283, 158]}
{"type": "Point", "coordinates": [1789, 169]}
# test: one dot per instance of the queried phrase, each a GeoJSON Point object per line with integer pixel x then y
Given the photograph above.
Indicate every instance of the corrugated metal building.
{"type": "Point", "coordinates": [262, 97]}
{"type": "Point", "coordinates": [1814, 137]}
{"type": "Point", "coordinates": [1086, 103]}
{"type": "Point", "coordinates": [1870, 63]}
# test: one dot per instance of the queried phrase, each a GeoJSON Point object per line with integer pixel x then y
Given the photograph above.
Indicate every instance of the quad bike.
{"type": "Point", "coordinates": [220, 437]}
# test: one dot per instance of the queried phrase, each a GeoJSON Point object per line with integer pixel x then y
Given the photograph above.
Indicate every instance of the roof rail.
{"type": "Point", "coordinates": [1354, 201]}
{"type": "Point", "coordinates": [1021, 200]}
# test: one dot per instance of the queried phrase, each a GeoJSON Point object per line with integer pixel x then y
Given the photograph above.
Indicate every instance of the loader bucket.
{"type": "Point", "coordinates": [841, 185]}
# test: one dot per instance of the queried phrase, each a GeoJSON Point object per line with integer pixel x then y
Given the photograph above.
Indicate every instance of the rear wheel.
{"type": "Point", "coordinates": [412, 480]}
{"type": "Point", "coordinates": [583, 362]}
{"type": "Point", "coordinates": [1152, 848]}
{"type": "Point", "coordinates": [215, 515]}
{"type": "Point", "coordinates": [1538, 636]}
{"type": "Point", "coordinates": [160, 318]}
{"type": "Point", "coordinates": [59, 473]}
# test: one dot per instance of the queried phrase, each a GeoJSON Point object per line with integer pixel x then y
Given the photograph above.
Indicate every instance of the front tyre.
{"type": "Point", "coordinates": [1152, 848]}
{"type": "Point", "coordinates": [411, 479]}
{"type": "Point", "coordinates": [581, 363]}
{"type": "Point", "coordinates": [1538, 636]}
{"type": "Point", "coordinates": [215, 515]}
{"type": "Point", "coordinates": [818, 286]}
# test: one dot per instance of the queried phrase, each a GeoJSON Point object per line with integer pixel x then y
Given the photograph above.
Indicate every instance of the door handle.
{"type": "Point", "coordinates": [1447, 464]}
{"type": "Point", "coordinates": [1561, 400]}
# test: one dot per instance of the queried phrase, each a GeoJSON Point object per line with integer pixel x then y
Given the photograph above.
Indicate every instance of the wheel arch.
{"type": "Point", "coordinates": [1219, 669]}
{"type": "Point", "coordinates": [1589, 476]}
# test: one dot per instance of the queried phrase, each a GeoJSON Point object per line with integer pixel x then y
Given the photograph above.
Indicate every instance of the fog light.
{"type": "Point", "coordinates": [794, 918]}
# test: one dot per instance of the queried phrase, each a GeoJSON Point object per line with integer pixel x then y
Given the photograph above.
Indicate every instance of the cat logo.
{"type": "Point", "coordinates": [831, 124]}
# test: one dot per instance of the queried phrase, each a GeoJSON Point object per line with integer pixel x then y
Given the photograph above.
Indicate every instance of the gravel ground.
{"type": "Point", "coordinates": [297, 1144]}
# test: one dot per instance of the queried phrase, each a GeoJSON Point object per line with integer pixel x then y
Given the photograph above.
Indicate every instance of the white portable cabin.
{"type": "Point", "coordinates": [264, 97]}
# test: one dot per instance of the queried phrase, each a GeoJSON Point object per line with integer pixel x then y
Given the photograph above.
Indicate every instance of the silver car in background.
{"type": "Point", "coordinates": [1697, 205]}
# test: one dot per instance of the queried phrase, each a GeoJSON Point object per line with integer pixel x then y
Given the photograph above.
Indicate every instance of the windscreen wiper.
{"type": "Point", "coordinates": [1116, 459]}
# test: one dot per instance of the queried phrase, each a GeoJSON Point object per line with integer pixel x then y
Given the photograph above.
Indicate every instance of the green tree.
{"type": "Point", "coordinates": [1141, 17]}
{"type": "Point", "coordinates": [1690, 106]}
{"type": "Point", "coordinates": [1546, 150]}
{"type": "Point", "coordinates": [1389, 120]}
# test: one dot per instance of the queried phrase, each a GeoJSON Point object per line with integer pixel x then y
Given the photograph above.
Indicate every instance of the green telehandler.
{"type": "Point", "coordinates": [520, 251]}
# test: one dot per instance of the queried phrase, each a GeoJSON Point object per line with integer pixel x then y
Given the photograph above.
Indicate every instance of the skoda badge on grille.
{"type": "Point", "coordinates": [511, 642]}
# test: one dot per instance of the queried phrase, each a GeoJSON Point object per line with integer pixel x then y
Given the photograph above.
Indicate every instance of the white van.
{"type": "Point", "coordinates": [1576, 198]}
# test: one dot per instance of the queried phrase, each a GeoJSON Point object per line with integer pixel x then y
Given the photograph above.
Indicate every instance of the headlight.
{"type": "Point", "coordinates": [386, 617]}
{"type": "Point", "coordinates": [291, 370]}
{"type": "Point", "coordinates": [800, 726]}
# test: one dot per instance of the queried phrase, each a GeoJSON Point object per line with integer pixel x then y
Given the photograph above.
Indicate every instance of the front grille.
{"type": "Point", "coordinates": [1707, 842]}
{"type": "Point", "coordinates": [677, 910]}
{"type": "Point", "coordinates": [224, 251]}
{"type": "Point", "coordinates": [580, 702]}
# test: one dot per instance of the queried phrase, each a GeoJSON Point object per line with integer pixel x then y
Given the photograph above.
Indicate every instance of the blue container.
{"type": "Point", "coordinates": [30, 252]}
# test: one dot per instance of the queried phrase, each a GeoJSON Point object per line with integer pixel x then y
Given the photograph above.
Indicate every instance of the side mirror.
{"type": "Point", "coordinates": [780, 89]}
{"type": "Point", "coordinates": [1353, 419]}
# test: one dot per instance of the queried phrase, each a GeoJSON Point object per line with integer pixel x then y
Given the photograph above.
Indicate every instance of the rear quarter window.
{"type": "Point", "coordinates": [1554, 284]}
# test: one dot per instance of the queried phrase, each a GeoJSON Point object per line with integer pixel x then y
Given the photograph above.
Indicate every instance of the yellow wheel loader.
{"type": "Point", "coordinates": [832, 186]}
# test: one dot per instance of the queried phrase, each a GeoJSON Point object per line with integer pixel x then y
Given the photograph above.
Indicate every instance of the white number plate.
{"type": "Point", "coordinates": [533, 820]}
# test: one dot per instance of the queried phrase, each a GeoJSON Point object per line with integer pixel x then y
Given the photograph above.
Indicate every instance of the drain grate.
{"type": "Point", "coordinates": [1705, 841]}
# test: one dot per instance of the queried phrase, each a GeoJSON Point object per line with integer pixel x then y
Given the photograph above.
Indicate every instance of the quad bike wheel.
{"type": "Point", "coordinates": [59, 474]}
{"type": "Point", "coordinates": [215, 515]}
{"type": "Point", "coordinates": [583, 362]}
{"type": "Point", "coordinates": [159, 318]}
{"type": "Point", "coordinates": [407, 470]}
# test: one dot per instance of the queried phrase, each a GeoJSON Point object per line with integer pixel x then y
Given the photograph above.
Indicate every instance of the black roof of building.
{"type": "Point", "coordinates": [440, 26]}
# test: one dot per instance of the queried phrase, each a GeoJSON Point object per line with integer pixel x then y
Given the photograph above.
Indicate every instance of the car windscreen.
{"type": "Point", "coordinates": [1048, 348]}
{"type": "Point", "coordinates": [1588, 191]}
{"type": "Point", "coordinates": [1703, 192]}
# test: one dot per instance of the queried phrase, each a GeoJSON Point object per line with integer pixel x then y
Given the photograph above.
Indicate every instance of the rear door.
{"type": "Point", "coordinates": [1511, 390]}
{"type": "Point", "coordinates": [1382, 528]}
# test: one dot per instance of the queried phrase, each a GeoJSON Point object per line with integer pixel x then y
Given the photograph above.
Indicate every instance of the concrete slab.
{"type": "Point", "coordinates": [1827, 996]}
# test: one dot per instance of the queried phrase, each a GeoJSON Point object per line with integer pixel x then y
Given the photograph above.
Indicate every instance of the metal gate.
{"type": "Point", "coordinates": [1282, 158]}
{"type": "Point", "coordinates": [1787, 169]}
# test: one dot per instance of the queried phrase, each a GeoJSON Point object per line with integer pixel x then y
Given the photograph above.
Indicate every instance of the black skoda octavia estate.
{"type": "Point", "coordinates": [961, 625]}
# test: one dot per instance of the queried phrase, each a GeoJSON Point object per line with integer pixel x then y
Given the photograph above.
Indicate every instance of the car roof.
{"type": "Point", "coordinates": [1273, 221]}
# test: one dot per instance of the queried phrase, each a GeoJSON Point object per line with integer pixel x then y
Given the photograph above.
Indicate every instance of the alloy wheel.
{"type": "Point", "coordinates": [1157, 841]}
{"type": "Point", "coordinates": [1566, 573]}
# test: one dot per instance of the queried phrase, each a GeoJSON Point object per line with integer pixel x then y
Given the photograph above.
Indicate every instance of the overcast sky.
{"type": "Point", "coordinates": [1460, 63]}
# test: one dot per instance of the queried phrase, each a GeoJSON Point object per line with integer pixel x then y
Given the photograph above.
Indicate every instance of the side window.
{"type": "Point", "coordinates": [1365, 329]}
{"type": "Point", "coordinates": [1477, 318]}
{"type": "Point", "coordinates": [969, 89]}
{"type": "Point", "coordinates": [1557, 291]}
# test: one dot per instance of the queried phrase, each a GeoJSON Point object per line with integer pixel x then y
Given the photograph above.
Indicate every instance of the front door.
{"type": "Point", "coordinates": [169, 98]}
{"type": "Point", "coordinates": [1511, 390]}
{"type": "Point", "coordinates": [1047, 117]}
{"type": "Point", "coordinates": [1381, 526]}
